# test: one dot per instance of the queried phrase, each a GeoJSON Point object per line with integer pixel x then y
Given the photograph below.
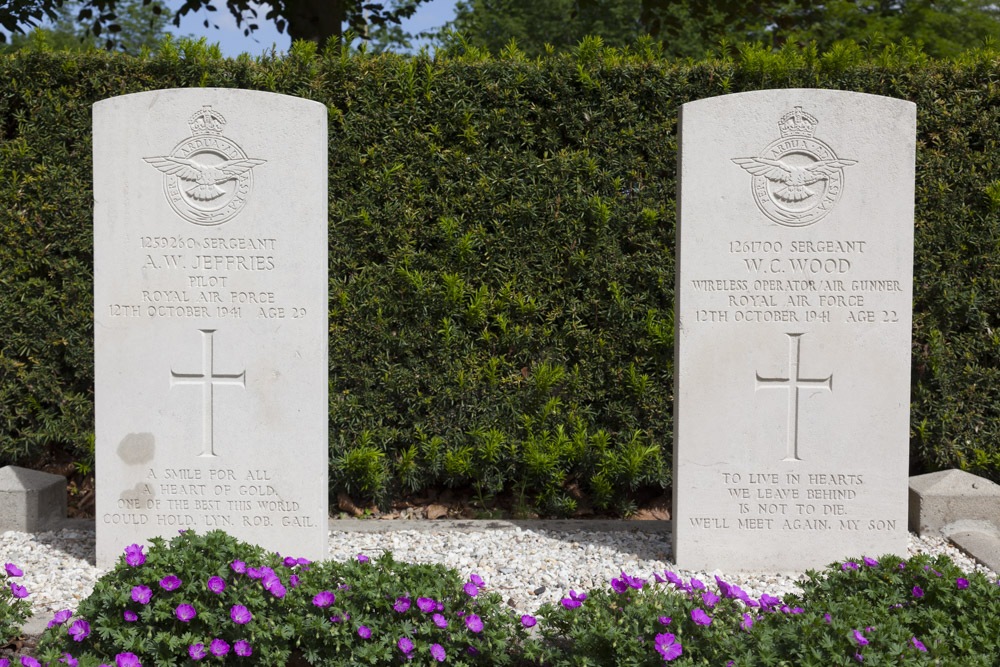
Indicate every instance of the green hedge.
{"type": "Point", "coordinates": [501, 254]}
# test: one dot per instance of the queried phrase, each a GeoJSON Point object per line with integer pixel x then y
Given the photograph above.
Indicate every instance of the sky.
{"type": "Point", "coordinates": [431, 14]}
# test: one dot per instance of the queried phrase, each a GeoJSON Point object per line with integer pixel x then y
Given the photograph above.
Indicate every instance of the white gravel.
{"type": "Point", "coordinates": [59, 566]}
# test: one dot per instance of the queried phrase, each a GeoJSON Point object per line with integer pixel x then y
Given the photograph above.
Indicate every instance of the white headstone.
{"type": "Point", "coordinates": [793, 314]}
{"type": "Point", "coordinates": [210, 318]}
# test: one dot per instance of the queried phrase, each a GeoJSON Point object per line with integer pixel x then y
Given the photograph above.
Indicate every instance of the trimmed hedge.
{"type": "Point", "coordinates": [501, 254]}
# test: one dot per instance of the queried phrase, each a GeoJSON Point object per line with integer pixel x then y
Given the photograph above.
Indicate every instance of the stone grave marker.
{"type": "Point", "coordinates": [210, 318]}
{"type": "Point", "coordinates": [793, 316]}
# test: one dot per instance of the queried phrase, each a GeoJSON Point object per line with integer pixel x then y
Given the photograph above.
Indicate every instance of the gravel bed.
{"type": "Point", "coordinates": [527, 567]}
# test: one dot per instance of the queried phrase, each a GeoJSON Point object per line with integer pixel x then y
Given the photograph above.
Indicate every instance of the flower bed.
{"type": "Point", "coordinates": [212, 598]}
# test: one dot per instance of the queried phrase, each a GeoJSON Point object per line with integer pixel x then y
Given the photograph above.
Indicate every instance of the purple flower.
{"type": "Point", "coordinates": [79, 630]}
{"type": "Point", "coordinates": [28, 661]}
{"type": "Point", "coordinates": [724, 588]}
{"type": "Point", "coordinates": [303, 562]}
{"type": "Point", "coordinates": [255, 572]}
{"type": "Point", "coordinates": [902, 566]}
{"type": "Point", "coordinates": [472, 651]}
{"type": "Point", "coordinates": [439, 621]}
{"type": "Point", "coordinates": [918, 592]}
{"type": "Point", "coordinates": [141, 594]}
{"type": "Point", "coordinates": [4, 662]}
{"type": "Point", "coordinates": [218, 647]}
{"type": "Point", "coordinates": [18, 591]}
{"type": "Point", "coordinates": [849, 566]}
{"type": "Point", "coordinates": [216, 585]}
{"type": "Point", "coordinates": [170, 583]}
{"type": "Point", "coordinates": [127, 660]}
{"type": "Point", "coordinates": [364, 632]}
{"type": "Point", "coordinates": [528, 621]}
{"type": "Point", "coordinates": [477, 580]}
{"type": "Point", "coordinates": [185, 612]}
{"type": "Point", "coordinates": [426, 604]}
{"type": "Point", "coordinates": [290, 562]}
{"type": "Point", "coordinates": [242, 648]}
{"type": "Point", "coordinates": [134, 556]}
{"type": "Point", "coordinates": [769, 601]}
{"type": "Point", "coordinates": [570, 604]}
{"type": "Point", "coordinates": [674, 579]}
{"type": "Point", "coordinates": [239, 566]}
{"type": "Point", "coordinates": [363, 558]}
{"type": "Point", "coordinates": [293, 580]}
{"type": "Point", "coordinates": [664, 620]}
{"type": "Point", "coordinates": [274, 586]}
{"type": "Point", "coordinates": [13, 571]}
{"type": "Point", "coordinates": [405, 645]}
{"type": "Point", "coordinates": [197, 651]}
{"type": "Point", "coordinates": [700, 617]}
{"type": "Point", "coordinates": [240, 614]}
{"type": "Point", "coordinates": [918, 644]}
{"type": "Point", "coordinates": [860, 638]}
{"type": "Point", "coordinates": [131, 616]}
{"type": "Point", "coordinates": [470, 589]}
{"type": "Point", "coordinates": [437, 651]}
{"type": "Point", "coordinates": [870, 562]}
{"type": "Point", "coordinates": [697, 583]}
{"type": "Point", "coordinates": [474, 623]}
{"type": "Point", "coordinates": [402, 604]}
{"type": "Point", "coordinates": [667, 647]}
{"type": "Point", "coordinates": [69, 660]}
{"type": "Point", "coordinates": [709, 599]}
{"type": "Point", "coordinates": [618, 585]}
{"type": "Point", "coordinates": [962, 583]}
{"type": "Point", "coordinates": [324, 599]}
{"type": "Point", "coordinates": [60, 618]}
{"type": "Point", "coordinates": [579, 597]}
{"type": "Point", "coordinates": [859, 657]}
{"type": "Point", "coordinates": [828, 619]}
{"type": "Point", "coordinates": [747, 622]}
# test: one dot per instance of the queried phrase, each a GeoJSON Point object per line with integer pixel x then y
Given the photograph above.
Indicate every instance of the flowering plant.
{"type": "Point", "coordinates": [211, 597]}
{"type": "Point", "coordinates": [14, 606]}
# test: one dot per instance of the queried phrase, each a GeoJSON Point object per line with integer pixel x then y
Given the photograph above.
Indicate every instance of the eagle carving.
{"type": "Point", "coordinates": [793, 178]}
{"type": "Point", "coordinates": [206, 177]}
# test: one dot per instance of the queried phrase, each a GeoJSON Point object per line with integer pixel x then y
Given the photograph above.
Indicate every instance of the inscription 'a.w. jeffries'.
{"type": "Point", "coordinates": [208, 378]}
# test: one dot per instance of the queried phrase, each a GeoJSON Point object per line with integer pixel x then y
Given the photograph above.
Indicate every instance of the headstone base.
{"type": "Point", "coordinates": [30, 500]}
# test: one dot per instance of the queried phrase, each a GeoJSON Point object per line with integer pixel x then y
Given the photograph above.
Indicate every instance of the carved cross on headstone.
{"type": "Point", "coordinates": [207, 378]}
{"type": "Point", "coordinates": [793, 383]}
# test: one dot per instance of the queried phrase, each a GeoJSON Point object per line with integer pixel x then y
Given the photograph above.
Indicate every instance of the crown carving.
{"type": "Point", "coordinates": [797, 123]}
{"type": "Point", "coordinates": [206, 121]}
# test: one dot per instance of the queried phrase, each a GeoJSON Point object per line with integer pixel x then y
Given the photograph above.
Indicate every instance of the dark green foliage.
{"type": "Point", "coordinates": [894, 606]}
{"type": "Point", "coordinates": [286, 622]}
{"type": "Point", "coordinates": [501, 254]}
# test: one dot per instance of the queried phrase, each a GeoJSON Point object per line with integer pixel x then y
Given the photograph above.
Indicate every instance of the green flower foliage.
{"type": "Point", "coordinates": [361, 620]}
{"type": "Point", "coordinates": [14, 611]}
{"type": "Point", "coordinates": [501, 253]}
{"type": "Point", "coordinates": [214, 597]}
{"type": "Point", "coordinates": [888, 612]}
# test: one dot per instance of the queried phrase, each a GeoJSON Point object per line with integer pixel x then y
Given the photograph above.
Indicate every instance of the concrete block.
{"type": "Point", "coordinates": [30, 501]}
{"type": "Point", "coordinates": [951, 501]}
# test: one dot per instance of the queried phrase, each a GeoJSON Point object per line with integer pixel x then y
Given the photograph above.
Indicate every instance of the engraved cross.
{"type": "Point", "coordinates": [207, 378]}
{"type": "Point", "coordinates": [793, 383]}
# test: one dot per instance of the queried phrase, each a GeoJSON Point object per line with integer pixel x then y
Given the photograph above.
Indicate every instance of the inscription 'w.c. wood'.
{"type": "Point", "coordinates": [793, 383]}
{"type": "Point", "coordinates": [208, 378]}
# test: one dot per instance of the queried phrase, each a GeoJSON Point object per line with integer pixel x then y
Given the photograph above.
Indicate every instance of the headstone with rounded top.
{"type": "Point", "coordinates": [793, 316]}
{"type": "Point", "coordinates": [210, 318]}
